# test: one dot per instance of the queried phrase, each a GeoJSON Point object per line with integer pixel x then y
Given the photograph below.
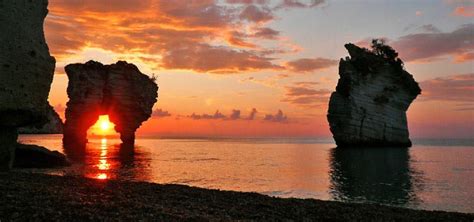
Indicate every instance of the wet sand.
{"type": "Point", "coordinates": [25, 196]}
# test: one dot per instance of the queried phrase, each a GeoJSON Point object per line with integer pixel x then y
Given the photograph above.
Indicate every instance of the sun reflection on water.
{"type": "Point", "coordinates": [103, 165]}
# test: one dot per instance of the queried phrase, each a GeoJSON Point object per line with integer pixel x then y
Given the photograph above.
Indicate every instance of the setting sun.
{"type": "Point", "coordinates": [103, 126]}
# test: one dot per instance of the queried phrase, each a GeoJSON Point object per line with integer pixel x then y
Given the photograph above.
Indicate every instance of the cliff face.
{"type": "Point", "coordinates": [372, 96]}
{"type": "Point", "coordinates": [119, 90]}
{"type": "Point", "coordinates": [54, 125]}
{"type": "Point", "coordinates": [26, 71]}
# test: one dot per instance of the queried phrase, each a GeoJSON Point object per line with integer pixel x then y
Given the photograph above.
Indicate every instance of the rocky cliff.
{"type": "Point", "coordinates": [54, 125]}
{"type": "Point", "coordinates": [26, 71]}
{"type": "Point", "coordinates": [372, 96]}
{"type": "Point", "coordinates": [119, 90]}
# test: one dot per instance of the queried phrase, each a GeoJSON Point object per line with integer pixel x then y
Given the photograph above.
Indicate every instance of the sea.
{"type": "Point", "coordinates": [434, 174]}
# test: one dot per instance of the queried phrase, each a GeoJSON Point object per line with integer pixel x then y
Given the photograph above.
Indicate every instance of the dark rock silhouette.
{"type": "Point", "coordinates": [33, 156]}
{"type": "Point", "coordinates": [372, 96]}
{"type": "Point", "coordinates": [119, 90]}
{"type": "Point", "coordinates": [54, 125]}
{"type": "Point", "coordinates": [26, 71]}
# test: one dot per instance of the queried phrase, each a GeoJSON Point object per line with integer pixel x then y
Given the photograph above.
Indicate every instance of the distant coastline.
{"type": "Point", "coordinates": [308, 139]}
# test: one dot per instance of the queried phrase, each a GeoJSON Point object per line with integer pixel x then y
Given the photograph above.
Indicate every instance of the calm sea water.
{"type": "Point", "coordinates": [433, 174]}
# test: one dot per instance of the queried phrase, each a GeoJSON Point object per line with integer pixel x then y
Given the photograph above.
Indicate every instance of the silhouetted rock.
{"type": "Point", "coordinates": [119, 90]}
{"type": "Point", "coordinates": [26, 71]}
{"type": "Point", "coordinates": [54, 125]}
{"type": "Point", "coordinates": [372, 96]}
{"type": "Point", "coordinates": [33, 156]}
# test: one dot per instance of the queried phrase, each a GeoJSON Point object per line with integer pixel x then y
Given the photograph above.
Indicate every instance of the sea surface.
{"type": "Point", "coordinates": [433, 174]}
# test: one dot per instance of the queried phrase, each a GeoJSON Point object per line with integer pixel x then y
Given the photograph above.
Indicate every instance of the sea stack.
{"type": "Point", "coordinates": [372, 96]}
{"type": "Point", "coordinates": [26, 71]}
{"type": "Point", "coordinates": [119, 90]}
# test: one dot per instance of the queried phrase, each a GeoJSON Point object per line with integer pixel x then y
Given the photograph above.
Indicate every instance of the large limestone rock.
{"type": "Point", "coordinates": [119, 90]}
{"type": "Point", "coordinates": [26, 71]}
{"type": "Point", "coordinates": [54, 125]}
{"type": "Point", "coordinates": [372, 96]}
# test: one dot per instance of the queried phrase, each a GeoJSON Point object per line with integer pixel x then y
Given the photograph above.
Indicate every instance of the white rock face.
{"type": "Point", "coordinates": [369, 105]}
{"type": "Point", "coordinates": [26, 69]}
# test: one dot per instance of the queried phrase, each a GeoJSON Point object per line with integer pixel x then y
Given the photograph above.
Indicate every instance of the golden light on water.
{"type": "Point", "coordinates": [103, 164]}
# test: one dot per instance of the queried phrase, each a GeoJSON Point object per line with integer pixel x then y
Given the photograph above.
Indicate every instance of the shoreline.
{"type": "Point", "coordinates": [33, 196]}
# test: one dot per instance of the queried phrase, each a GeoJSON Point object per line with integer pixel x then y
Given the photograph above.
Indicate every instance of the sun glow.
{"type": "Point", "coordinates": [103, 126]}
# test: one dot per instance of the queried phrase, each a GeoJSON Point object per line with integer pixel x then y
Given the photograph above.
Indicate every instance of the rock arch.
{"type": "Point", "coordinates": [119, 90]}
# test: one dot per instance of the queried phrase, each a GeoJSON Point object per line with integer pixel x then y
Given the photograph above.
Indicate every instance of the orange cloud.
{"type": "Point", "coordinates": [451, 88]}
{"type": "Point", "coordinates": [159, 113]}
{"type": "Point", "coordinates": [464, 11]}
{"type": "Point", "coordinates": [308, 65]}
{"type": "Point", "coordinates": [465, 57]}
{"type": "Point", "coordinates": [203, 36]}
{"type": "Point", "coordinates": [304, 94]}
{"type": "Point", "coordinates": [206, 58]}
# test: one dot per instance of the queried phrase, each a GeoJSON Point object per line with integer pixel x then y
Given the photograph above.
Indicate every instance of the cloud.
{"type": "Point", "coordinates": [287, 4]}
{"type": "Point", "coordinates": [429, 28]}
{"type": "Point", "coordinates": [309, 65]}
{"type": "Point", "coordinates": [464, 11]}
{"type": "Point", "coordinates": [159, 113]}
{"type": "Point", "coordinates": [206, 58]}
{"type": "Point", "coordinates": [256, 14]}
{"type": "Point", "coordinates": [305, 95]}
{"type": "Point", "coordinates": [278, 117]}
{"type": "Point", "coordinates": [240, 39]}
{"type": "Point", "coordinates": [216, 115]}
{"type": "Point", "coordinates": [202, 36]}
{"type": "Point", "coordinates": [266, 33]}
{"type": "Point", "coordinates": [235, 114]}
{"type": "Point", "coordinates": [431, 46]}
{"type": "Point", "coordinates": [247, 2]}
{"type": "Point", "coordinates": [306, 83]}
{"type": "Point", "coordinates": [458, 88]}
{"type": "Point", "coordinates": [464, 57]}
{"type": "Point", "coordinates": [464, 107]}
{"type": "Point", "coordinates": [252, 114]}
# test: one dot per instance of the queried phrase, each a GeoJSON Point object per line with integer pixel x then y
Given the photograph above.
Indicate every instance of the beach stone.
{"type": "Point", "coordinates": [54, 125]}
{"type": "Point", "coordinates": [26, 70]}
{"type": "Point", "coordinates": [119, 90]}
{"type": "Point", "coordinates": [33, 156]}
{"type": "Point", "coordinates": [372, 96]}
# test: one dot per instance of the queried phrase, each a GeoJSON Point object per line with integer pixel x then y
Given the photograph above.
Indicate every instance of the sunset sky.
{"type": "Point", "coordinates": [266, 68]}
